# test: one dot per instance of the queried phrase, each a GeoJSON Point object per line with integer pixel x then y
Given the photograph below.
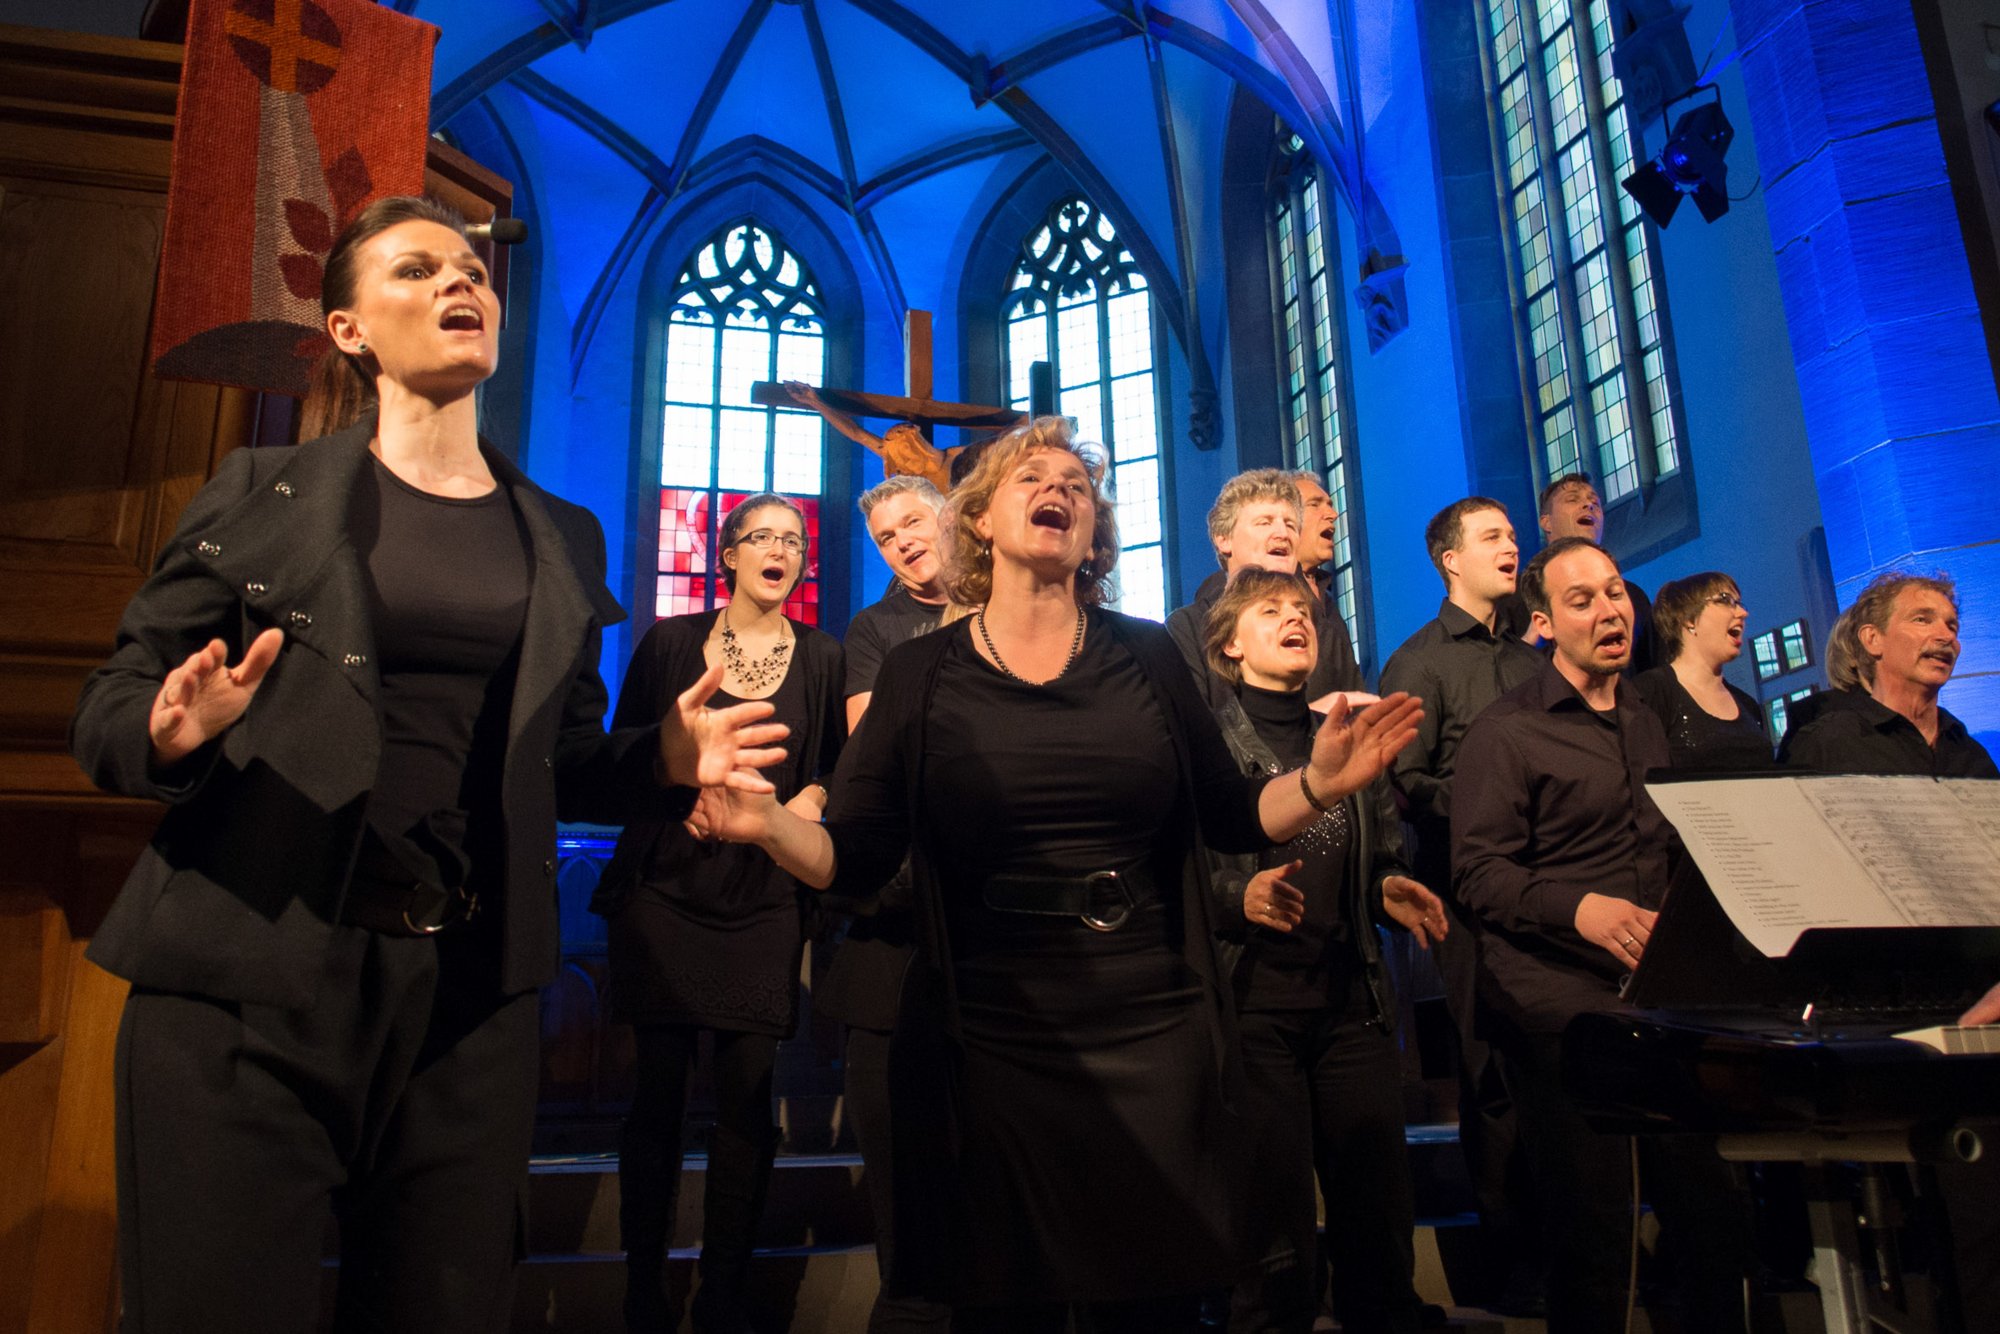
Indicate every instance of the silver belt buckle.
{"type": "Point", "coordinates": [1122, 910]}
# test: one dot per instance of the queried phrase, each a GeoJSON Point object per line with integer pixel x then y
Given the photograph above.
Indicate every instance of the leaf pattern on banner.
{"type": "Point", "coordinates": [348, 181]}
{"type": "Point", "coordinates": [302, 275]}
{"type": "Point", "coordinates": [311, 228]}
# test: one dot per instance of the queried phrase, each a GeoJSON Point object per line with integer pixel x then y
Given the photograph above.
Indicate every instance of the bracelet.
{"type": "Point", "coordinates": [1312, 800]}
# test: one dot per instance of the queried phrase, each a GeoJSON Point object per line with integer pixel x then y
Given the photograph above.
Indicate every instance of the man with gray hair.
{"type": "Point", "coordinates": [1255, 523]}
{"type": "Point", "coordinates": [901, 515]}
{"type": "Point", "coordinates": [1901, 638]}
{"type": "Point", "coordinates": [863, 988]}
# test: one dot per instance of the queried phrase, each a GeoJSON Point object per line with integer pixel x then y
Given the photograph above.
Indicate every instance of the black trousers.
{"type": "Point", "coordinates": [740, 1151]}
{"type": "Point", "coordinates": [1584, 1180]}
{"type": "Point", "coordinates": [1488, 1127]}
{"type": "Point", "coordinates": [1323, 1096]}
{"type": "Point", "coordinates": [402, 1103]}
{"type": "Point", "coordinates": [867, 1087]}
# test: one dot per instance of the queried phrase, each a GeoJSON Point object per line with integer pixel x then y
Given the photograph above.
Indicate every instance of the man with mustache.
{"type": "Point", "coordinates": [1562, 860]}
{"type": "Point", "coordinates": [1903, 636]}
{"type": "Point", "coordinates": [1255, 524]}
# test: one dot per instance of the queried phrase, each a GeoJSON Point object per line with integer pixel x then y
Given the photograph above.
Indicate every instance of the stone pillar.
{"type": "Point", "coordinates": [1901, 409]}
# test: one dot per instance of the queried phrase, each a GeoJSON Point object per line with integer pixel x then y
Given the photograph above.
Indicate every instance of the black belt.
{"type": "Point", "coordinates": [400, 907]}
{"type": "Point", "coordinates": [1102, 900]}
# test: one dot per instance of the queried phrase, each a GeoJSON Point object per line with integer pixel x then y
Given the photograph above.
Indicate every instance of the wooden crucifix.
{"type": "Point", "coordinates": [903, 448]}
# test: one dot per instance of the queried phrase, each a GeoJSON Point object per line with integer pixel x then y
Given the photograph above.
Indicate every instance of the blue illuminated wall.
{"type": "Point", "coordinates": [1901, 408]}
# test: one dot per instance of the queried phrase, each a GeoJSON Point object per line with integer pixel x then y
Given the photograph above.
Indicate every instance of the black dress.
{"type": "Point", "coordinates": [709, 935]}
{"type": "Point", "coordinates": [1696, 738]}
{"type": "Point", "coordinates": [1091, 1156]}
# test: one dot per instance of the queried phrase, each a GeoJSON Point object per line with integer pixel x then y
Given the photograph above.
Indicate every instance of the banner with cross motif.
{"type": "Point", "coordinates": [294, 114]}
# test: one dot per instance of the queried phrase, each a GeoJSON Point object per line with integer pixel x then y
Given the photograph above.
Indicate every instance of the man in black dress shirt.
{"type": "Point", "coordinates": [864, 986]}
{"type": "Point", "coordinates": [1255, 523]}
{"type": "Point", "coordinates": [1458, 664]}
{"type": "Point", "coordinates": [1904, 641]}
{"type": "Point", "coordinates": [1563, 859]}
{"type": "Point", "coordinates": [1903, 638]}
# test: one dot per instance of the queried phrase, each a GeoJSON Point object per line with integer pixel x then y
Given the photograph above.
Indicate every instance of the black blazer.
{"type": "Point", "coordinates": [237, 895]}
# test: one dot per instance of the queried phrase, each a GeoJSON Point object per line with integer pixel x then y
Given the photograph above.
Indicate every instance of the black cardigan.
{"type": "Point", "coordinates": [237, 895]}
{"type": "Point", "coordinates": [875, 818]}
{"type": "Point", "coordinates": [667, 661]}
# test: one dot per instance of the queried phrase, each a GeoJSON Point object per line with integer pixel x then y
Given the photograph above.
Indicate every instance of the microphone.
{"type": "Point", "coordinates": [500, 231]}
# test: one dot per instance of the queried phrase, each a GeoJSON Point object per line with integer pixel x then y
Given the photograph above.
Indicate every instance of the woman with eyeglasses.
{"type": "Point", "coordinates": [706, 936]}
{"type": "Point", "coordinates": [1710, 723]}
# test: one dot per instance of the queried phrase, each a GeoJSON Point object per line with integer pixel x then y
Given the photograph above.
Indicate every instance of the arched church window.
{"type": "Point", "coordinates": [743, 309]}
{"type": "Point", "coordinates": [1311, 355]}
{"type": "Point", "coordinates": [1078, 301]}
{"type": "Point", "coordinates": [1602, 381]}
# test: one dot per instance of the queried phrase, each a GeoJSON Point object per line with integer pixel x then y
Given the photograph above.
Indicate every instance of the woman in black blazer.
{"type": "Point", "coordinates": [336, 937]}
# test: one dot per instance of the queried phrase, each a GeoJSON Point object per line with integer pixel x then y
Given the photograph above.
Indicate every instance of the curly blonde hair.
{"type": "Point", "coordinates": [968, 567]}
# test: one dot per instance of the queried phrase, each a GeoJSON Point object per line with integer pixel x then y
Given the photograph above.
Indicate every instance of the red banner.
{"type": "Point", "coordinates": [294, 114]}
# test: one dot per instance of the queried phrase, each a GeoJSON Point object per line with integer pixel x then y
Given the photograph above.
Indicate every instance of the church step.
{"type": "Point", "coordinates": [818, 1200]}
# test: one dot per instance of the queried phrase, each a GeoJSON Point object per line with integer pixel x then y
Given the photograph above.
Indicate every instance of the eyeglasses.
{"type": "Point", "coordinates": [1729, 600]}
{"type": "Point", "coordinates": [765, 538]}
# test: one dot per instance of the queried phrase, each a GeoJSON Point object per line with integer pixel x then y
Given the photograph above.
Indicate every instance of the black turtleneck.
{"type": "Point", "coordinates": [1296, 970]}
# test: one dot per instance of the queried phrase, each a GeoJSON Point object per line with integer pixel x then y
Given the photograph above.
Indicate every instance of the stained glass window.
{"type": "Point", "coordinates": [1310, 353]}
{"type": "Point", "coordinates": [1078, 301]}
{"type": "Point", "coordinates": [1586, 257]}
{"type": "Point", "coordinates": [744, 309]}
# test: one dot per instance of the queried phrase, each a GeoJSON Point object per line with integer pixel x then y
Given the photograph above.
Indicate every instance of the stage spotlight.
{"type": "Point", "coordinates": [1690, 164]}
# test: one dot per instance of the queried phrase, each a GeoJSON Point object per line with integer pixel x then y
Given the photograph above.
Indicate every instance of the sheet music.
{"type": "Point", "coordinates": [1920, 842]}
{"type": "Point", "coordinates": [1786, 855]}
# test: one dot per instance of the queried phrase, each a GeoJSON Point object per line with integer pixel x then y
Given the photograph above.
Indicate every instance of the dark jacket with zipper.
{"type": "Point", "coordinates": [238, 893]}
{"type": "Point", "coordinates": [1374, 852]}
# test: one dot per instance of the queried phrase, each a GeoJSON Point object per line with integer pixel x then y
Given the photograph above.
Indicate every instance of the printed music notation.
{"type": "Point", "coordinates": [1786, 855]}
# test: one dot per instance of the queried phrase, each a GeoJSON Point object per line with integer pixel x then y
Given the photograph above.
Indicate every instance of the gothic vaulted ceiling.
{"type": "Point", "coordinates": [894, 111]}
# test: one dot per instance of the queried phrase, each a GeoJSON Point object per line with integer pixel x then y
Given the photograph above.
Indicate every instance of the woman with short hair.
{"type": "Point", "coordinates": [1710, 723]}
{"type": "Point", "coordinates": [1322, 1064]}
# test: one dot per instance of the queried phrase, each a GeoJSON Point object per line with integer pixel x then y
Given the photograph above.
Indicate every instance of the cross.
{"type": "Point", "coordinates": [299, 46]}
{"type": "Point", "coordinates": [915, 405]}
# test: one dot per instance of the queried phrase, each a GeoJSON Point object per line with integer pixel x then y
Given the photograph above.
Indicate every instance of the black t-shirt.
{"type": "Point", "coordinates": [1296, 970]}
{"type": "Point", "coordinates": [875, 629]}
{"type": "Point", "coordinates": [448, 597]}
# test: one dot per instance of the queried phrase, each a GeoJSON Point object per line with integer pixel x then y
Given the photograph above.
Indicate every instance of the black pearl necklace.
{"type": "Point", "coordinates": [758, 673]}
{"type": "Point", "coordinates": [1075, 647]}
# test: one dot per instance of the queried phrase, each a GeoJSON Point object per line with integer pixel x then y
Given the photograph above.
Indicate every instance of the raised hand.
{"type": "Point", "coordinates": [1270, 900]}
{"type": "Point", "coordinates": [1352, 749]}
{"type": "Point", "coordinates": [203, 697]}
{"type": "Point", "coordinates": [704, 747]}
{"type": "Point", "coordinates": [1415, 909]}
{"type": "Point", "coordinates": [1618, 926]}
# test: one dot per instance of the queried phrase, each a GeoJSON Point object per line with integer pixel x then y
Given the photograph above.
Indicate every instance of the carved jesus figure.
{"type": "Point", "coordinates": [902, 448]}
